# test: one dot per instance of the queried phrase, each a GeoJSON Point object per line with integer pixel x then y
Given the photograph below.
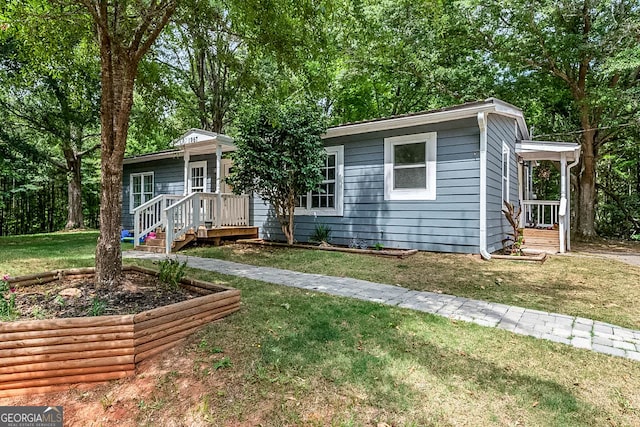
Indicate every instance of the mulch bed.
{"type": "Point", "coordinates": [79, 297]}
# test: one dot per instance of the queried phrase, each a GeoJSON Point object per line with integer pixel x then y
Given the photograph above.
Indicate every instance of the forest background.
{"type": "Point", "coordinates": [572, 66]}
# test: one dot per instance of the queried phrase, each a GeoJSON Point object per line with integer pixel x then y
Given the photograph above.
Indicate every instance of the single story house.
{"type": "Point", "coordinates": [432, 181]}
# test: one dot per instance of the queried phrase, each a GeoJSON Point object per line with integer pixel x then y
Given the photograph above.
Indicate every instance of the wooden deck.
{"type": "Point", "coordinates": [541, 240]}
{"type": "Point", "coordinates": [213, 236]}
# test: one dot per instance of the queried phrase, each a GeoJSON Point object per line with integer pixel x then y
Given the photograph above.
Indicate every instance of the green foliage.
{"type": "Point", "coordinates": [225, 362]}
{"type": "Point", "coordinates": [321, 234]}
{"type": "Point", "coordinates": [378, 246]}
{"type": "Point", "coordinates": [279, 156]}
{"type": "Point", "coordinates": [98, 307]}
{"type": "Point", "coordinates": [171, 272]}
{"type": "Point", "coordinates": [7, 299]}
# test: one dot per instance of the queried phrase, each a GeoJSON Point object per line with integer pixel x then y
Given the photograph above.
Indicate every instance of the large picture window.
{"type": "Point", "coordinates": [327, 198]}
{"type": "Point", "coordinates": [410, 167]}
{"type": "Point", "coordinates": [141, 189]}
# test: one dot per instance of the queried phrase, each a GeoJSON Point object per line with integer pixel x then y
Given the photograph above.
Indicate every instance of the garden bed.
{"type": "Point", "coordinates": [38, 356]}
{"type": "Point", "coordinates": [398, 253]}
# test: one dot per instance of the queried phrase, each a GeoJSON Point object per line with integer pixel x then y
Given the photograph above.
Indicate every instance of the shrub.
{"type": "Point", "coordinates": [171, 272]}
{"type": "Point", "coordinates": [321, 234]}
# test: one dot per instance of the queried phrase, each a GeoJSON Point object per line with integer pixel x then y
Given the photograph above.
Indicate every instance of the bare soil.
{"type": "Point", "coordinates": [80, 297]}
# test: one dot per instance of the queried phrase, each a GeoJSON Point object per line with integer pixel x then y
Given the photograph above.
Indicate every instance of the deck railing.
{"type": "Point", "coordinates": [212, 210]}
{"type": "Point", "coordinates": [541, 213]}
{"type": "Point", "coordinates": [150, 215]}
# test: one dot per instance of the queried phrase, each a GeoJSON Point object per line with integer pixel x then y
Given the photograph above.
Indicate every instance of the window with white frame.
{"type": "Point", "coordinates": [141, 189]}
{"type": "Point", "coordinates": [198, 177]}
{"type": "Point", "coordinates": [505, 172]}
{"type": "Point", "coordinates": [410, 167]}
{"type": "Point", "coordinates": [326, 200]}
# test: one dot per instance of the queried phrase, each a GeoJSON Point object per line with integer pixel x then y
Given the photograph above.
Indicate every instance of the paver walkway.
{"type": "Point", "coordinates": [574, 331]}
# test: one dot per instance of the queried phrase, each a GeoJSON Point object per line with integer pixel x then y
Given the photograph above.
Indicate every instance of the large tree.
{"type": "Point", "coordinates": [125, 31]}
{"type": "Point", "coordinates": [50, 92]}
{"type": "Point", "coordinates": [574, 43]}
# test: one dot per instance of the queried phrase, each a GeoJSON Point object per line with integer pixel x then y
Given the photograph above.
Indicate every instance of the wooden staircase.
{"type": "Point", "coordinates": [541, 240]}
{"type": "Point", "coordinates": [213, 236]}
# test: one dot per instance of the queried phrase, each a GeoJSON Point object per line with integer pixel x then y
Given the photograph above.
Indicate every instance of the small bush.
{"type": "Point", "coordinates": [97, 307]}
{"type": "Point", "coordinates": [7, 299]}
{"type": "Point", "coordinates": [171, 272]}
{"type": "Point", "coordinates": [321, 234]}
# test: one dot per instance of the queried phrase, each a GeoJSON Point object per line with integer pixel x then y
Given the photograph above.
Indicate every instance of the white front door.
{"type": "Point", "coordinates": [198, 177]}
{"type": "Point", "coordinates": [227, 165]}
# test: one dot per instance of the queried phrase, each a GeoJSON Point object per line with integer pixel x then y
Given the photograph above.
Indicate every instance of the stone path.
{"type": "Point", "coordinates": [574, 331]}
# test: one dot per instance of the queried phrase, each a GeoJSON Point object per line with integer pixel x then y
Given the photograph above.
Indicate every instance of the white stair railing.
{"type": "Point", "coordinates": [150, 215]}
{"type": "Point", "coordinates": [212, 210]}
{"type": "Point", "coordinates": [541, 213]}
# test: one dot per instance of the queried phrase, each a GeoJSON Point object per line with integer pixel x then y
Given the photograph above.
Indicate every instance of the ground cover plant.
{"type": "Point", "coordinates": [293, 357]}
{"type": "Point", "coordinates": [585, 286]}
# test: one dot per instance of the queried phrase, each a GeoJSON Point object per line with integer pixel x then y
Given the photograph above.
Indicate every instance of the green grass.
{"type": "Point", "coordinates": [20, 255]}
{"type": "Point", "coordinates": [302, 358]}
{"type": "Point", "coordinates": [293, 357]}
{"type": "Point", "coordinates": [590, 287]}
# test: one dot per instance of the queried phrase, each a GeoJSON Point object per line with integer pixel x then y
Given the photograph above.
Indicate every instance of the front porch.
{"type": "Point", "coordinates": [168, 223]}
{"type": "Point", "coordinates": [546, 223]}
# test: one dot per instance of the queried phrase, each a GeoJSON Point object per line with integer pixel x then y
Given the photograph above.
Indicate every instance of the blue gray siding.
{"type": "Point", "coordinates": [168, 179]}
{"type": "Point", "coordinates": [499, 129]}
{"type": "Point", "coordinates": [448, 224]}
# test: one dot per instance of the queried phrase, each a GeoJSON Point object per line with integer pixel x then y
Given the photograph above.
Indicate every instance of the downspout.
{"type": "Point", "coordinates": [568, 219]}
{"type": "Point", "coordinates": [482, 124]}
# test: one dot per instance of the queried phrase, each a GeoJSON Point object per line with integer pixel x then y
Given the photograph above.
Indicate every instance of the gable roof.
{"type": "Point", "coordinates": [193, 139]}
{"type": "Point", "coordinates": [466, 110]}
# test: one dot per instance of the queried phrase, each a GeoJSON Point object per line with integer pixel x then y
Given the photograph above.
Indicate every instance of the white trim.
{"type": "Point", "coordinates": [338, 150]}
{"type": "Point", "coordinates": [490, 105]}
{"type": "Point", "coordinates": [482, 125]}
{"type": "Point", "coordinates": [153, 188]}
{"type": "Point", "coordinates": [201, 164]}
{"type": "Point", "coordinates": [428, 193]}
{"type": "Point", "coordinates": [506, 164]}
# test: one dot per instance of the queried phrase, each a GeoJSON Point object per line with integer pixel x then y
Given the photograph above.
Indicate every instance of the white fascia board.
{"type": "Point", "coordinates": [176, 154]}
{"type": "Point", "coordinates": [407, 121]}
{"type": "Point", "coordinates": [547, 150]}
{"type": "Point", "coordinates": [492, 106]}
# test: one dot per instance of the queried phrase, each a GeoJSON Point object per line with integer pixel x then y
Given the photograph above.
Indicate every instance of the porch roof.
{"type": "Point", "coordinates": [194, 141]}
{"type": "Point", "coordinates": [547, 150]}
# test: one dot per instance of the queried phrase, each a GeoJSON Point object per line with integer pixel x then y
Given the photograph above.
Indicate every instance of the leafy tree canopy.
{"type": "Point", "coordinates": [279, 156]}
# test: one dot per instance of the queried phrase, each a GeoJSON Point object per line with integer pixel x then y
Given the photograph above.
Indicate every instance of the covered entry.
{"type": "Point", "coordinates": [546, 223]}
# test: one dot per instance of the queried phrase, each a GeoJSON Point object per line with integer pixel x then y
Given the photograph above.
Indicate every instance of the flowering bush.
{"type": "Point", "coordinates": [7, 299]}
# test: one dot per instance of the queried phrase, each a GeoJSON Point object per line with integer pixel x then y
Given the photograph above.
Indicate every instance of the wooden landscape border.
{"type": "Point", "coordinates": [398, 253]}
{"type": "Point", "coordinates": [40, 356]}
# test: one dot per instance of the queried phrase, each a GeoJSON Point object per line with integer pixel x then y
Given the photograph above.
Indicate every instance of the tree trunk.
{"type": "Point", "coordinates": [75, 218]}
{"type": "Point", "coordinates": [587, 187]}
{"type": "Point", "coordinates": [118, 76]}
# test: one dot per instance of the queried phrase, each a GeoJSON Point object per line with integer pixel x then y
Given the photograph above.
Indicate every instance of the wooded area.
{"type": "Point", "coordinates": [572, 66]}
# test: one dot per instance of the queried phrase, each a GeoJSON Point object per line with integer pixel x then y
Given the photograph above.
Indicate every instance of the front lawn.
{"type": "Point", "coordinates": [590, 287]}
{"type": "Point", "coordinates": [293, 357]}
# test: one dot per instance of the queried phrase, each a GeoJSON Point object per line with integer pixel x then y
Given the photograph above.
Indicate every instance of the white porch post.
{"type": "Point", "coordinates": [186, 172]}
{"type": "Point", "coordinates": [218, 166]}
{"type": "Point", "coordinates": [218, 194]}
{"type": "Point", "coordinates": [563, 201]}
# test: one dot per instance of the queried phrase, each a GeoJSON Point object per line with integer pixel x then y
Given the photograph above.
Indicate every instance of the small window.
{"type": "Point", "coordinates": [141, 189]}
{"type": "Point", "coordinates": [505, 172]}
{"type": "Point", "coordinates": [410, 167]}
{"type": "Point", "coordinates": [327, 198]}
